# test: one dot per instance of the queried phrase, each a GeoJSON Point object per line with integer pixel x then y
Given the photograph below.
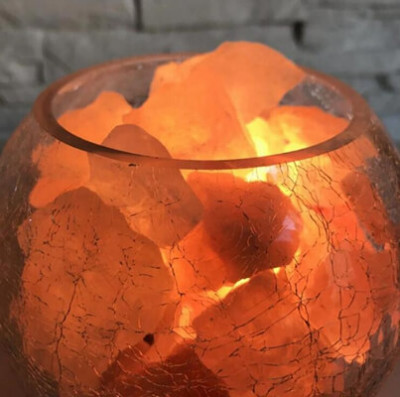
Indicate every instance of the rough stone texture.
{"type": "Point", "coordinates": [160, 15]}
{"type": "Point", "coordinates": [69, 51]}
{"type": "Point", "coordinates": [363, 62]}
{"type": "Point", "coordinates": [67, 14]}
{"type": "Point", "coordinates": [21, 60]}
{"type": "Point", "coordinates": [355, 3]}
{"type": "Point", "coordinates": [10, 117]}
{"type": "Point", "coordinates": [392, 124]}
{"type": "Point", "coordinates": [395, 81]}
{"type": "Point", "coordinates": [349, 31]}
{"type": "Point", "coordinates": [380, 91]}
{"type": "Point", "coordinates": [19, 95]}
{"type": "Point", "coordinates": [356, 40]}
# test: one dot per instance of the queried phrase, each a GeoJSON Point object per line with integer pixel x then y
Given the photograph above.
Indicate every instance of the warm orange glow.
{"type": "Point", "coordinates": [184, 328]}
{"type": "Point", "coordinates": [191, 309]}
{"type": "Point", "coordinates": [226, 289]}
{"type": "Point", "coordinates": [276, 270]}
{"type": "Point", "coordinates": [64, 168]}
{"type": "Point", "coordinates": [256, 276]}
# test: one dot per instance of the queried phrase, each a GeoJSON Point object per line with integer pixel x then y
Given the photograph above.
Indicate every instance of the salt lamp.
{"type": "Point", "coordinates": [222, 225]}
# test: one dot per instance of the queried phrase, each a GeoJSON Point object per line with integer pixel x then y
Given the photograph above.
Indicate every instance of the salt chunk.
{"type": "Point", "coordinates": [63, 168]}
{"type": "Point", "coordinates": [251, 226]}
{"type": "Point", "coordinates": [256, 339]}
{"type": "Point", "coordinates": [368, 206]}
{"type": "Point", "coordinates": [337, 274]}
{"type": "Point", "coordinates": [255, 76]}
{"type": "Point", "coordinates": [90, 288]}
{"type": "Point", "coordinates": [193, 116]}
{"type": "Point", "coordinates": [196, 264]}
{"type": "Point", "coordinates": [340, 303]}
{"type": "Point", "coordinates": [156, 201]}
{"type": "Point", "coordinates": [95, 121]}
{"type": "Point", "coordinates": [288, 128]}
{"type": "Point", "coordinates": [174, 72]}
{"type": "Point", "coordinates": [181, 374]}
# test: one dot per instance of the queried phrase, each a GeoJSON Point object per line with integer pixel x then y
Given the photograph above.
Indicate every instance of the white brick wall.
{"type": "Point", "coordinates": [41, 40]}
{"type": "Point", "coordinates": [21, 57]}
{"type": "Point", "coordinates": [173, 14]}
{"type": "Point", "coordinates": [66, 14]}
{"type": "Point", "coordinates": [67, 51]}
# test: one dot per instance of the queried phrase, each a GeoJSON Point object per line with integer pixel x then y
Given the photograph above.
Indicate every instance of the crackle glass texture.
{"type": "Point", "coordinates": [121, 278]}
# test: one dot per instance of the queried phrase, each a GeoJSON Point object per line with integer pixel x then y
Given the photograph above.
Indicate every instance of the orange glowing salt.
{"type": "Point", "coordinates": [255, 76]}
{"type": "Point", "coordinates": [337, 273]}
{"type": "Point", "coordinates": [193, 115]}
{"type": "Point", "coordinates": [63, 168]}
{"type": "Point", "coordinates": [196, 265]}
{"type": "Point", "coordinates": [181, 374]}
{"type": "Point", "coordinates": [91, 287]}
{"type": "Point", "coordinates": [257, 339]}
{"type": "Point", "coordinates": [173, 72]}
{"type": "Point", "coordinates": [246, 228]}
{"type": "Point", "coordinates": [156, 201]}
{"type": "Point", "coordinates": [275, 281]}
{"type": "Point", "coordinates": [252, 226]}
{"type": "Point", "coordinates": [96, 120]}
{"type": "Point", "coordinates": [366, 256]}
{"type": "Point", "coordinates": [331, 271]}
{"type": "Point", "coordinates": [287, 128]}
{"type": "Point", "coordinates": [339, 303]}
{"type": "Point", "coordinates": [368, 206]}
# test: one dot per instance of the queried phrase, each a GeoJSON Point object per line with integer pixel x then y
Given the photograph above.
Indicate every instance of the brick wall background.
{"type": "Point", "coordinates": [41, 40]}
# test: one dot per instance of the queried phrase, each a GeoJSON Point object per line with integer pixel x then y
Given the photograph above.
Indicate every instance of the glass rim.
{"type": "Point", "coordinates": [359, 123]}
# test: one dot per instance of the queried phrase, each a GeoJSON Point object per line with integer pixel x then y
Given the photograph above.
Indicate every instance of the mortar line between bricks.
{"type": "Point", "coordinates": [138, 15]}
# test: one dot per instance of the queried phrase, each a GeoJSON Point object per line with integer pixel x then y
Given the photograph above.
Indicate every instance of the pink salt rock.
{"type": "Point", "coordinates": [95, 121]}
{"type": "Point", "coordinates": [90, 288]}
{"type": "Point", "coordinates": [368, 206]}
{"type": "Point", "coordinates": [181, 374]}
{"type": "Point", "coordinates": [289, 128]}
{"type": "Point", "coordinates": [340, 304]}
{"type": "Point", "coordinates": [378, 263]}
{"type": "Point", "coordinates": [174, 72]}
{"type": "Point", "coordinates": [63, 168]}
{"type": "Point", "coordinates": [255, 76]}
{"type": "Point", "coordinates": [251, 226]}
{"type": "Point", "coordinates": [196, 264]}
{"type": "Point", "coordinates": [193, 116]}
{"type": "Point", "coordinates": [156, 201]}
{"type": "Point", "coordinates": [382, 272]}
{"type": "Point", "coordinates": [258, 339]}
{"type": "Point", "coordinates": [345, 283]}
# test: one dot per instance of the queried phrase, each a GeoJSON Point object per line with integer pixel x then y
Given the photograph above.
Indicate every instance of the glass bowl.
{"type": "Point", "coordinates": [131, 273]}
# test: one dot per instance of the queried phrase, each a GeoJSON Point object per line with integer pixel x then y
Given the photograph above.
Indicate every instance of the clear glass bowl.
{"type": "Point", "coordinates": [136, 276]}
